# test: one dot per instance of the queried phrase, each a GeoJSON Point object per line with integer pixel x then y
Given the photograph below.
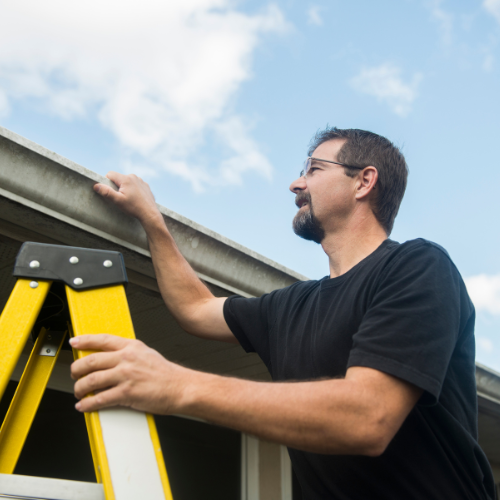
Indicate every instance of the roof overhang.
{"type": "Point", "coordinates": [47, 198]}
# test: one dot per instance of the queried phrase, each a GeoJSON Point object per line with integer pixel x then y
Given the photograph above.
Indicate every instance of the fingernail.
{"type": "Point", "coordinates": [97, 188]}
{"type": "Point", "coordinates": [74, 342]}
{"type": "Point", "coordinates": [78, 405]}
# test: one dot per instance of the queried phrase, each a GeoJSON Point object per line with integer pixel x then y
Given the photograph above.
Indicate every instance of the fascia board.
{"type": "Point", "coordinates": [488, 389]}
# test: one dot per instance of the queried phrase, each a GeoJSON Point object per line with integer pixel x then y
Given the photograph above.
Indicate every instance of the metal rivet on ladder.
{"type": "Point", "coordinates": [73, 260]}
{"type": "Point", "coordinates": [34, 264]}
{"type": "Point", "coordinates": [78, 281]}
{"type": "Point", "coordinates": [107, 263]}
{"type": "Point", "coordinates": [34, 284]}
{"type": "Point", "coordinates": [47, 351]}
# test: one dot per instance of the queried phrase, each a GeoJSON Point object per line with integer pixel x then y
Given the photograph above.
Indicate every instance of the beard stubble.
{"type": "Point", "coordinates": [305, 223]}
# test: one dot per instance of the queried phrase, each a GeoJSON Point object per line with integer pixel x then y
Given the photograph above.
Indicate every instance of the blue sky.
{"type": "Point", "coordinates": [214, 103]}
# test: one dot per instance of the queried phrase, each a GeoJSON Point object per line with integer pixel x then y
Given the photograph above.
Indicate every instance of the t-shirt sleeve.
{"type": "Point", "coordinates": [412, 324]}
{"type": "Point", "coordinates": [250, 320]}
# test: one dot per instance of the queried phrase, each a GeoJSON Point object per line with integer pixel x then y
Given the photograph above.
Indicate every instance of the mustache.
{"type": "Point", "coordinates": [301, 198]}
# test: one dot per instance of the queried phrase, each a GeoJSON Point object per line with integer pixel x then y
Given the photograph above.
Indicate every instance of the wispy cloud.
{"type": "Point", "coordinates": [313, 16]}
{"type": "Point", "coordinates": [159, 75]}
{"type": "Point", "coordinates": [493, 7]}
{"type": "Point", "coordinates": [484, 290]}
{"type": "Point", "coordinates": [386, 84]}
{"type": "Point", "coordinates": [443, 19]}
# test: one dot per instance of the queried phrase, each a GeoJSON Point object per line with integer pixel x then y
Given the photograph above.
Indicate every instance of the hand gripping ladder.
{"type": "Point", "coordinates": [124, 443]}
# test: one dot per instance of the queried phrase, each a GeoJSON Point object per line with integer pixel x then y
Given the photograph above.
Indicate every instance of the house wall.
{"type": "Point", "coordinates": [269, 471]}
{"type": "Point", "coordinates": [266, 470]}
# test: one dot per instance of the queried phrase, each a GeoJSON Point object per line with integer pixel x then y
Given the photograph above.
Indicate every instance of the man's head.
{"type": "Point", "coordinates": [383, 178]}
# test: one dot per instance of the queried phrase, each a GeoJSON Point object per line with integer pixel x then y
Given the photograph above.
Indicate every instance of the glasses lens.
{"type": "Point", "coordinates": [307, 166]}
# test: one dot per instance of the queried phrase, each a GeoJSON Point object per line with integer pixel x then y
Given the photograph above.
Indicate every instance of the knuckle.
{"type": "Point", "coordinates": [126, 391]}
{"type": "Point", "coordinates": [92, 380]}
{"type": "Point", "coordinates": [129, 354]}
{"type": "Point", "coordinates": [124, 372]}
{"type": "Point", "coordinates": [79, 392]}
{"type": "Point", "coordinates": [107, 340]}
{"type": "Point", "coordinates": [137, 346]}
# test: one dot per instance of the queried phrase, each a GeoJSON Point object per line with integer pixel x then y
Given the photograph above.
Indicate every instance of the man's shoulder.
{"type": "Point", "coordinates": [299, 287]}
{"type": "Point", "coordinates": [424, 245]}
{"type": "Point", "coordinates": [420, 248]}
{"type": "Point", "coordinates": [420, 256]}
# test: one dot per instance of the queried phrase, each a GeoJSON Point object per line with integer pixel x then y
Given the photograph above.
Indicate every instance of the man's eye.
{"type": "Point", "coordinates": [312, 169]}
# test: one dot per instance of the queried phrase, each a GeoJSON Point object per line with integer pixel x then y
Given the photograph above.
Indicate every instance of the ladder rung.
{"type": "Point", "coordinates": [30, 488]}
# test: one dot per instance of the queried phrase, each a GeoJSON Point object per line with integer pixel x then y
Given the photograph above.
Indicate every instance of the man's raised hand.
{"type": "Point", "coordinates": [134, 197]}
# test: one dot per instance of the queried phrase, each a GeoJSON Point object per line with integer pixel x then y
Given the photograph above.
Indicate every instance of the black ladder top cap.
{"type": "Point", "coordinates": [79, 268]}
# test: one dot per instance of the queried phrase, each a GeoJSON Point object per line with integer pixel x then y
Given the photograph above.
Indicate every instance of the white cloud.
{"type": "Point", "coordinates": [493, 7]}
{"type": "Point", "coordinates": [485, 344]}
{"type": "Point", "coordinates": [159, 75]}
{"type": "Point", "coordinates": [385, 83]}
{"type": "Point", "coordinates": [443, 19]}
{"type": "Point", "coordinates": [313, 16]}
{"type": "Point", "coordinates": [484, 291]}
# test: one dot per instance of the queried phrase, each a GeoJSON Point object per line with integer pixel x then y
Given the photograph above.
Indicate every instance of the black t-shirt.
{"type": "Point", "coordinates": [403, 310]}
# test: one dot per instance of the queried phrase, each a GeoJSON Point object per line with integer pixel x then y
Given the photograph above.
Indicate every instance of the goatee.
{"type": "Point", "coordinates": [305, 223]}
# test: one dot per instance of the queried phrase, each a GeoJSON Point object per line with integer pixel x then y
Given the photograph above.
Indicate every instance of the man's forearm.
{"type": "Point", "coordinates": [328, 416]}
{"type": "Point", "coordinates": [179, 285]}
{"type": "Point", "coordinates": [359, 414]}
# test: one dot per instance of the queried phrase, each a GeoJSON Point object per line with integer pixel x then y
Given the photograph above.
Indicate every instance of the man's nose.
{"type": "Point", "coordinates": [298, 184]}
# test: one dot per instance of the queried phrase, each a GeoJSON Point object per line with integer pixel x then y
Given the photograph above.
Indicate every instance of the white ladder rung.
{"type": "Point", "coordinates": [14, 486]}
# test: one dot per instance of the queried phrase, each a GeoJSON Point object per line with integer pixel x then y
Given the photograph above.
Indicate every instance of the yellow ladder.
{"type": "Point", "coordinates": [124, 443]}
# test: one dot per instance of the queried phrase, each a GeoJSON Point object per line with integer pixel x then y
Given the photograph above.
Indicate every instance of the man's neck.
{"type": "Point", "coordinates": [348, 247]}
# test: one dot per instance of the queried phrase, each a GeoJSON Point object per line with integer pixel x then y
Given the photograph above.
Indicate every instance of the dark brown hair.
{"type": "Point", "coordinates": [363, 149]}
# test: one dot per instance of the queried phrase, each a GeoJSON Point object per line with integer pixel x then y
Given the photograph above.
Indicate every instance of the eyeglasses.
{"type": "Point", "coordinates": [308, 163]}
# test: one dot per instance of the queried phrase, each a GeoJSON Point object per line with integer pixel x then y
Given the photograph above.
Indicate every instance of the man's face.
{"type": "Point", "coordinates": [325, 197]}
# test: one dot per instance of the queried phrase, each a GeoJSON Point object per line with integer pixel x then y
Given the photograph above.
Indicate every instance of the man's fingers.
{"type": "Point", "coordinates": [116, 177]}
{"type": "Point", "coordinates": [99, 342]}
{"type": "Point", "coordinates": [96, 381]}
{"type": "Point", "coordinates": [104, 399]}
{"type": "Point", "coordinates": [94, 362]}
{"type": "Point", "coordinates": [107, 192]}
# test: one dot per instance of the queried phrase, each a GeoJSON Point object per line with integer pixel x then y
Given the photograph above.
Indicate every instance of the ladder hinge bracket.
{"type": "Point", "coordinates": [79, 268]}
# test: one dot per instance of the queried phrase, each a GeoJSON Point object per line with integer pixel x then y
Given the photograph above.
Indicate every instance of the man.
{"type": "Point", "coordinates": [373, 366]}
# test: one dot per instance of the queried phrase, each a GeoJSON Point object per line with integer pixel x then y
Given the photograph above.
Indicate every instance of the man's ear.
{"type": "Point", "coordinates": [367, 181]}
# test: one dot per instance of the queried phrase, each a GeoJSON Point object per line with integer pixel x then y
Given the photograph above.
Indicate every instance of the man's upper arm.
{"type": "Point", "coordinates": [209, 322]}
{"type": "Point", "coordinates": [235, 319]}
{"type": "Point", "coordinates": [387, 399]}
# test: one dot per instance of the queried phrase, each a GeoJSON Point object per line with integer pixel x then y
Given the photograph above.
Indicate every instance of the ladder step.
{"type": "Point", "coordinates": [31, 487]}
